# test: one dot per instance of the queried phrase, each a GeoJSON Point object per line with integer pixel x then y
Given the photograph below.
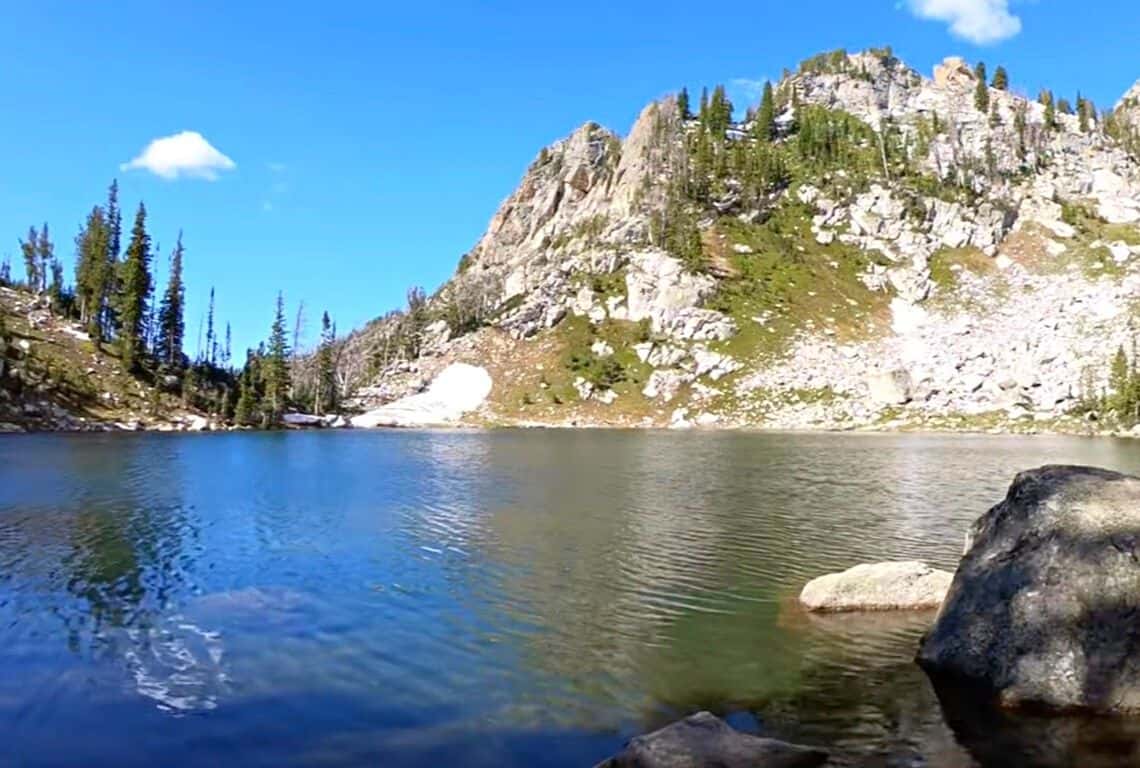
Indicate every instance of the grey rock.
{"type": "Point", "coordinates": [1042, 610]}
{"type": "Point", "coordinates": [905, 585]}
{"type": "Point", "coordinates": [705, 741]}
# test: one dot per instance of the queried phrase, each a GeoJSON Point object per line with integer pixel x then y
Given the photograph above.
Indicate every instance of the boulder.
{"type": "Point", "coordinates": [704, 740]}
{"type": "Point", "coordinates": [906, 585]}
{"type": "Point", "coordinates": [890, 387]}
{"type": "Point", "coordinates": [1043, 609]}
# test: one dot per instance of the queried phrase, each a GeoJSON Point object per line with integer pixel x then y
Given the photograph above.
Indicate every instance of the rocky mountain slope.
{"type": "Point", "coordinates": [891, 250]}
{"type": "Point", "coordinates": [53, 377]}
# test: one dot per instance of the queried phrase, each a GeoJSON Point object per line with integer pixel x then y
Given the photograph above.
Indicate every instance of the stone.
{"type": "Point", "coordinates": [457, 390]}
{"type": "Point", "coordinates": [1042, 610]}
{"type": "Point", "coordinates": [889, 387]}
{"type": "Point", "coordinates": [705, 741]}
{"type": "Point", "coordinates": [197, 424]}
{"type": "Point", "coordinates": [601, 348]}
{"type": "Point", "coordinates": [905, 585]}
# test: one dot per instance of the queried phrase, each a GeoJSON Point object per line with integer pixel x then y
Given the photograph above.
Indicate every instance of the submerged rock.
{"type": "Point", "coordinates": [905, 585]}
{"type": "Point", "coordinates": [703, 741]}
{"type": "Point", "coordinates": [1044, 605]}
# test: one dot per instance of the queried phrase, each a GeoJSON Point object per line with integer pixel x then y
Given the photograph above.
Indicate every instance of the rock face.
{"type": "Point", "coordinates": [991, 288]}
{"type": "Point", "coordinates": [907, 585]}
{"type": "Point", "coordinates": [705, 741]}
{"type": "Point", "coordinates": [1043, 608]}
{"type": "Point", "coordinates": [460, 388]}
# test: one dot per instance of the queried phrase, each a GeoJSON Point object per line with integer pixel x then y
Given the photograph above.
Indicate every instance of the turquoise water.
{"type": "Point", "coordinates": [505, 598]}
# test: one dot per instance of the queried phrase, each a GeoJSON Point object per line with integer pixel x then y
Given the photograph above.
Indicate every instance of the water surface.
{"type": "Point", "coordinates": [489, 599]}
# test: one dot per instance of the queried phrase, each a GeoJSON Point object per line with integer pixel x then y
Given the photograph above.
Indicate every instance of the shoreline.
{"type": "Point", "coordinates": [1053, 430]}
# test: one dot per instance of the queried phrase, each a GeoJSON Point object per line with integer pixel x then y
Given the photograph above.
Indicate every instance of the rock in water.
{"type": "Point", "coordinates": [703, 741]}
{"type": "Point", "coordinates": [1044, 607]}
{"type": "Point", "coordinates": [907, 585]}
{"type": "Point", "coordinates": [458, 389]}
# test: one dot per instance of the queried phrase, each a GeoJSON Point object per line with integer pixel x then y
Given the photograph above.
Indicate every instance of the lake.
{"type": "Point", "coordinates": [506, 598]}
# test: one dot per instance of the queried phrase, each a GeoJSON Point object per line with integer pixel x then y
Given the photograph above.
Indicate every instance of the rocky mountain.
{"type": "Point", "coordinates": [880, 249]}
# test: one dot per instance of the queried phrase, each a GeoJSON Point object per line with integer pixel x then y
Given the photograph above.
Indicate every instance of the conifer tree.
{"type": "Point", "coordinates": [6, 272]}
{"type": "Point", "coordinates": [995, 118]}
{"type": "Point", "coordinates": [30, 250]}
{"type": "Point", "coordinates": [1064, 107]}
{"type": "Point", "coordinates": [765, 124]}
{"type": "Point", "coordinates": [226, 350]}
{"type": "Point", "coordinates": [325, 401]}
{"type": "Point", "coordinates": [683, 104]}
{"type": "Point", "coordinates": [92, 246]}
{"type": "Point", "coordinates": [45, 253]}
{"type": "Point", "coordinates": [981, 92]}
{"type": "Point", "coordinates": [1085, 112]}
{"type": "Point", "coordinates": [1046, 98]}
{"type": "Point", "coordinates": [134, 291]}
{"type": "Point", "coordinates": [703, 107]}
{"type": "Point", "coordinates": [1001, 79]}
{"type": "Point", "coordinates": [211, 341]}
{"type": "Point", "coordinates": [275, 368]}
{"type": "Point", "coordinates": [171, 321]}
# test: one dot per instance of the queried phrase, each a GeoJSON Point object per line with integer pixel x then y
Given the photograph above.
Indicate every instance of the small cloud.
{"type": "Point", "coordinates": [979, 21]}
{"type": "Point", "coordinates": [183, 154]}
{"type": "Point", "coordinates": [277, 167]}
{"type": "Point", "coordinates": [267, 206]}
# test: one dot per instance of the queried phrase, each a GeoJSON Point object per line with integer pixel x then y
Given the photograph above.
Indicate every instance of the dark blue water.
{"type": "Point", "coordinates": [485, 599]}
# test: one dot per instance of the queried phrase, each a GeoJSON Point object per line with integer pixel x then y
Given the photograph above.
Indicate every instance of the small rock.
{"type": "Point", "coordinates": [906, 585]}
{"type": "Point", "coordinates": [704, 741]}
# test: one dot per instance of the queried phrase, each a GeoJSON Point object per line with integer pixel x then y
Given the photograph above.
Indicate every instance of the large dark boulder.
{"type": "Point", "coordinates": [705, 741]}
{"type": "Point", "coordinates": [1044, 610]}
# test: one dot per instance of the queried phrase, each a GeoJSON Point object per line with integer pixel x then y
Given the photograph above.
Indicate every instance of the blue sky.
{"type": "Point", "coordinates": [371, 142]}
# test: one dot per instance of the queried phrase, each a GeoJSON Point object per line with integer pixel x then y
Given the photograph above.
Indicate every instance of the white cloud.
{"type": "Point", "coordinates": [978, 21]}
{"type": "Point", "coordinates": [183, 154]}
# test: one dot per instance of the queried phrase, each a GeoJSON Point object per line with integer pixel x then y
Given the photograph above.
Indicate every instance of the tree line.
{"type": "Point", "coordinates": [114, 297]}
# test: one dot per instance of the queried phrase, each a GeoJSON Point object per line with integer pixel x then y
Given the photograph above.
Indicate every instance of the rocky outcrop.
{"type": "Point", "coordinates": [705, 741]}
{"type": "Point", "coordinates": [457, 390]}
{"type": "Point", "coordinates": [906, 585]}
{"type": "Point", "coordinates": [967, 280]}
{"type": "Point", "coordinates": [1042, 610]}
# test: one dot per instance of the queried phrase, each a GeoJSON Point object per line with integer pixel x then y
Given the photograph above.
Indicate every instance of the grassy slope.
{"type": "Point", "coordinates": [63, 376]}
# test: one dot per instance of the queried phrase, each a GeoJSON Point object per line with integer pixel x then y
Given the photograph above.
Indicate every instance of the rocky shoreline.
{"type": "Point", "coordinates": [1039, 617]}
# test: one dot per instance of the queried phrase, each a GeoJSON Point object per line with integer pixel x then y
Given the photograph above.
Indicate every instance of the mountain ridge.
{"type": "Point", "coordinates": [801, 274]}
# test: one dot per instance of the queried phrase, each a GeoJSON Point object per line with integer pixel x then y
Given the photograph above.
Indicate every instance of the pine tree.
{"type": "Point", "coordinates": [1046, 98]}
{"type": "Point", "coordinates": [1118, 381]}
{"type": "Point", "coordinates": [765, 124]}
{"type": "Point", "coordinates": [171, 322]}
{"type": "Point", "coordinates": [325, 401]}
{"type": "Point", "coordinates": [226, 351]}
{"type": "Point", "coordinates": [1001, 79]}
{"type": "Point", "coordinates": [275, 369]}
{"type": "Point", "coordinates": [6, 272]}
{"type": "Point", "coordinates": [30, 249]}
{"type": "Point", "coordinates": [211, 341]}
{"type": "Point", "coordinates": [45, 253]}
{"type": "Point", "coordinates": [1064, 107]}
{"type": "Point", "coordinates": [114, 221]}
{"type": "Point", "coordinates": [995, 118]}
{"type": "Point", "coordinates": [1085, 112]}
{"type": "Point", "coordinates": [683, 104]}
{"type": "Point", "coordinates": [1019, 125]}
{"type": "Point", "coordinates": [135, 288]}
{"type": "Point", "coordinates": [703, 106]}
{"type": "Point", "coordinates": [981, 92]}
{"type": "Point", "coordinates": [92, 248]}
